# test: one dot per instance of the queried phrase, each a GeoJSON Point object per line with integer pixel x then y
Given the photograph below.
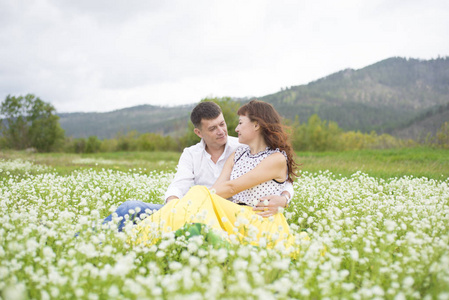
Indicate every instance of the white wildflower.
{"type": "Point", "coordinates": [354, 254]}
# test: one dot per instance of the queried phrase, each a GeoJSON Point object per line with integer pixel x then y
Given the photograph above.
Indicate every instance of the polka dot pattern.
{"type": "Point", "coordinates": [244, 162]}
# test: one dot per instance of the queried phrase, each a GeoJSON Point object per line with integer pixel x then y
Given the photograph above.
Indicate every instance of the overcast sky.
{"type": "Point", "coordinates": [102, 55]}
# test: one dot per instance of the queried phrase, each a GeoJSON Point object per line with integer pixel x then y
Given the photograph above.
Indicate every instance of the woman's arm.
{"type": "Point", "coordinates": [272, 167]}
{"type": "Point", "coordinates": [226, 171]}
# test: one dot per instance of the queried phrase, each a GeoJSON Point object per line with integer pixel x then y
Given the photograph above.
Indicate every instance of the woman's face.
{"type": "Point", "coordinates": [246, 129]}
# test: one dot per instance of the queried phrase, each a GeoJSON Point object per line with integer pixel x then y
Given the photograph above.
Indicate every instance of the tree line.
{"type": "Point", "coordinates": [30, 123]}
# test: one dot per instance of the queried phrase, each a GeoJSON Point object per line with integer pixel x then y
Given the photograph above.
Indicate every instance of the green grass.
{"type": "Point", "coordinates": [417, 162]}
{"type": "Point", "coordinates": [66, 163]}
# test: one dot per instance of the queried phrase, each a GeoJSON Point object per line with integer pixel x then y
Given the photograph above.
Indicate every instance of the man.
{"type": "Point", "coordinates": [201, 164]}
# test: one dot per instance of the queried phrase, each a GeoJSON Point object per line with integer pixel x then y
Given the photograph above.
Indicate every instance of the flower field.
{"type": "Point", "coordinates": [370, 238]}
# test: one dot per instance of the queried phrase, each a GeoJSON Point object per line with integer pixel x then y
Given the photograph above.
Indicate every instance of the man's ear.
{"type": "Point", "coordinates": [198, 133]}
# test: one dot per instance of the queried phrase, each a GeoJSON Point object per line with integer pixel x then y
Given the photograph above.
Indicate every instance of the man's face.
{"type": "Point", "coordinates": [214, 132]}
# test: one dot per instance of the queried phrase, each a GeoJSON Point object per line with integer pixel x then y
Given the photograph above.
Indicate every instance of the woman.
{"type": "Point", "coordinates": [260, 168]}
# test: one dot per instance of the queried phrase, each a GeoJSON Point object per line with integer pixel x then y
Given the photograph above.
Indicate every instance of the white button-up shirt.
{"type": "Point", "coordinates": [196, 167]}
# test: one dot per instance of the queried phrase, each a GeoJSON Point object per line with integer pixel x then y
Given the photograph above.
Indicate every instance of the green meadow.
{"type": "Point", "coordinates": [385, 163]}
{"type": "Point", "coordinates": [369, 224]}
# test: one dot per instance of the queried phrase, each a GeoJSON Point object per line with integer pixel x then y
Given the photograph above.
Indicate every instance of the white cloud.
{"type": "Point", "coordinates": [103, 55]}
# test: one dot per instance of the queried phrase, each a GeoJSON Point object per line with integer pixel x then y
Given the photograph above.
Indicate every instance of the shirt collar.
{"type": "Point", "coordinates": [203, 147]}
{"type": "Point", "coordinates": [226, 149]}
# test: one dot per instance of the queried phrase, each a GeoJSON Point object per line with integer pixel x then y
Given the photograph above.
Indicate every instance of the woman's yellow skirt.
{"type": "Point", "coordinates": [199, 205]}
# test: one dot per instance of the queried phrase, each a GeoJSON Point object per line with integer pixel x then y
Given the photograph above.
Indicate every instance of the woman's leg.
{"type": "Point", "coordinates": [200, 206]}
{"type": "Point", "coordinates": [249, 225]}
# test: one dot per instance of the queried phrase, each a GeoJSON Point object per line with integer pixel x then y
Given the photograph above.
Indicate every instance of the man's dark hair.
{"type": "Point", "coordinates": [206, 110]}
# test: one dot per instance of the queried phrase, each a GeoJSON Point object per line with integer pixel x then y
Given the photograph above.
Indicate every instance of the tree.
{"type": "Point", "coordinates": [441, 139]}
{"type": "Point", "coordinates": [93, 144]}
{"type": "Point", "coordinates": [299, 142]}
{"type": "Point", "coordinates": [30, 122]}
{"type": "Point", "coordinates": [15, 131]}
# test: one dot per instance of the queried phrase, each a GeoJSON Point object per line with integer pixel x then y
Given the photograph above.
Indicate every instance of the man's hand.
{"type": "Point", "coordinates": [269, 205]}
{"type": "Point", "coordinates": [170, 198]}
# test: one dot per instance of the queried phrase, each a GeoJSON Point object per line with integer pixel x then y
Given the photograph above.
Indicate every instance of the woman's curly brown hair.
{"type": "Point", "coordinates": [273, 131]}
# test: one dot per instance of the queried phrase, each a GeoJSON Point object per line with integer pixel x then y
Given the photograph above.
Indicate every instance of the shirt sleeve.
{"type": "Point", "coordinates": [289, 188]}
{"type": "Point", "coordinates": [184, 177]}
{"type": "Point", "coordinates": [288, 185]}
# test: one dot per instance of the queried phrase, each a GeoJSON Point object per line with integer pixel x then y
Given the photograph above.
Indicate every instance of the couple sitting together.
{"type": "Point", "coordinates": [233, 185]}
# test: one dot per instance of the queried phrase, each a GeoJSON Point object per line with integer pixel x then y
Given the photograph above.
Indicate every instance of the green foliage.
{"type": "Point", "coordinates": [132, 141]}
{"type": "Point", "coordinates": [93, 144]}
{"type": "Point", "coordinates": [45, 133]}
{"type": "Point", "coordinates": [441, 138]}
{"type": "Point", "coordinates": [75, 145]}
{"type": "Point", "coordinates": [189, 138]}
{"type": "Point", "coordinates": [30, 122]}
{"type": "Point", "coordinates": [127, 142]}
{"type": "Point", "coordinates": [109, 145]}
{"type": "Point", "coordinates": [198, 229]}
{"type": "Point", "coordinates": [318, 135]}
{"type": "Point", "coordinates": [15, 130]}
{"type": "Point", "coordinates": [315, 135]}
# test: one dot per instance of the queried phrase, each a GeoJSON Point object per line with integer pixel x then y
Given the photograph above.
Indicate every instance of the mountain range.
{"type": "Point", "coordinates": [407, 98]}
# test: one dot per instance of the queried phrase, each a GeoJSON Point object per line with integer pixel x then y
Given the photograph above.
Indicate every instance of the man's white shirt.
{"type": "Point", "coordinates": [196, 167]}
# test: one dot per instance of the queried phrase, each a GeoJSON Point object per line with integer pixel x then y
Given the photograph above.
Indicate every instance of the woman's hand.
{"type": "Point", "coordinates": [269, 205]}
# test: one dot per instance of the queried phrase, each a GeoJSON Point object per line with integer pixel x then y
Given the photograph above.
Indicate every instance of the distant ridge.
{"type": "Point", "coordinates": [423, 125]}
{"type": "Point", "coordinates": [403, 97]}
{"type": "Point", "coordinates": [380, 97]}
{"type": "Point", "coordinates": [142, 118]}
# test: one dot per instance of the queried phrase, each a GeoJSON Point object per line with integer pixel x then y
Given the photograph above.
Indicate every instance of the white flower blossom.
{"type": "Point", "coordinates": [55, 246]}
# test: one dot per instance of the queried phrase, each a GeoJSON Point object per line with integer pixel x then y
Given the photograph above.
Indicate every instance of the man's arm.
{"type": "Point", "coordinates": [269, 205]}
{"type": "Point", "coordinates": [171, 198]}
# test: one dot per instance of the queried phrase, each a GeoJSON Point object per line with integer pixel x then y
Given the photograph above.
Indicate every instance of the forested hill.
{"type": "Point", "coordinates": [142, 118]}
{"type": "Point", "coordinates": [381, 97]}
{"type": "Point", "coordinates": [405, 97]}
